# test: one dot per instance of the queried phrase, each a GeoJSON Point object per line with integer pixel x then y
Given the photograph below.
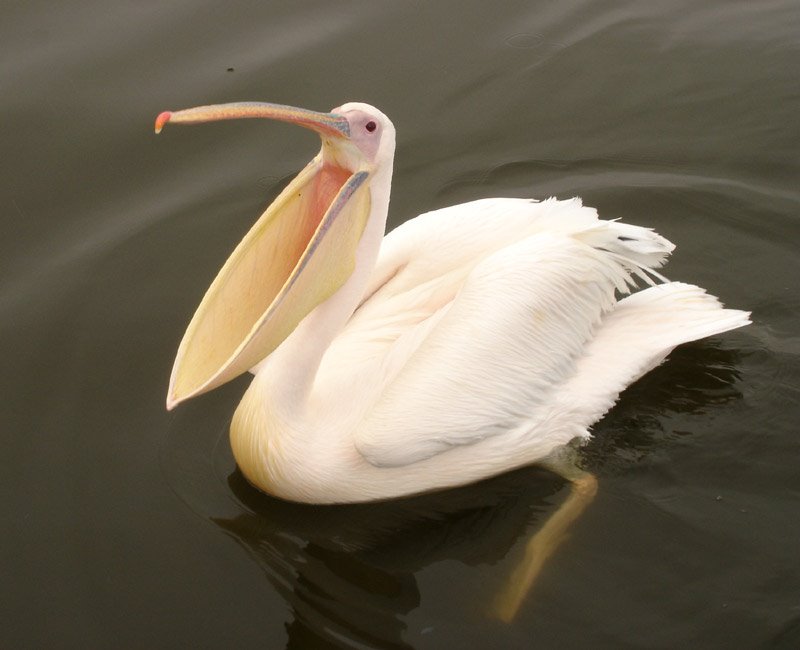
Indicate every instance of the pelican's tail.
{"type": "Point", "coordinates": [638, 335]}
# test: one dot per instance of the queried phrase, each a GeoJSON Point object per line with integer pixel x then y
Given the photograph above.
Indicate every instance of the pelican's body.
{"type": "Point", "coordinates": [469, 341]}
{"type": "Point", "coordinates": [471, 354]}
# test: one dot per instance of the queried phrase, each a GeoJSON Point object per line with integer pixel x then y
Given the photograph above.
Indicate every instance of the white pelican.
{"type": "Point", "coordinates": [469, 341]}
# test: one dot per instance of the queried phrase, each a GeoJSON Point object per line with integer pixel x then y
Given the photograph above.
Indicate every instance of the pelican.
{"type": "Point", "coordinates": [468, 341]}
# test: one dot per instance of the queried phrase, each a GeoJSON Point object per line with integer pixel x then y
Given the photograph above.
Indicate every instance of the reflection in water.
{"type": "Point", "coordinates": [349, 572]}
{"type": "Point", "coordinates": [332, 592]}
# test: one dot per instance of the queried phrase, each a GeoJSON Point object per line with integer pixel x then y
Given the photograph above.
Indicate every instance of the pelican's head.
{"type": "Point", "coordinates": [370, 135]}
{"type": "Point", "coordinates": [298, 254]}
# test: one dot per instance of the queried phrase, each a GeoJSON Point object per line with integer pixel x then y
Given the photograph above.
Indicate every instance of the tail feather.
{"type": "Point", "coordinates": [638, 335]}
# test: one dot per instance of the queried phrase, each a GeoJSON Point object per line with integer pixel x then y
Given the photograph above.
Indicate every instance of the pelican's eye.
{"type": "Point", "coordinates": [370, 126]}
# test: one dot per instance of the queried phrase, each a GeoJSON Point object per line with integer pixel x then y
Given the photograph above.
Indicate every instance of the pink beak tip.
{"type": "Point", "coordinates": [162, 119]}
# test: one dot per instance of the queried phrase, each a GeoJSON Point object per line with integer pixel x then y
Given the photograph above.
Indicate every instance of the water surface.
{"type": "Point", "coordinates": [129, 526]}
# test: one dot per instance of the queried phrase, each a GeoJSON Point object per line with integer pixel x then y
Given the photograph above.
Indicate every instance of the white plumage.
{"type": "Point", "coordinates": [489, 335]}
{"type": "Point", "coordinates": [469, 341]}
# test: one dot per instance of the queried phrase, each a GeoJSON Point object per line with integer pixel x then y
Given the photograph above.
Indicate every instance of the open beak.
{"type": "Point", "coordinates": [298, 254]}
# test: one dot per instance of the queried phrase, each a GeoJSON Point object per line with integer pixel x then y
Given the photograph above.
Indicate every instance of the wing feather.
{"type": "Point", "coordinates": [512, 334]}
{"type": "Point", "coordinates": [473, 316]}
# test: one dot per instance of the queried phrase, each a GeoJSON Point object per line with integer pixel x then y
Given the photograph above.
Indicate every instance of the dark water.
{"type": "Point", "coordinates": [126, 526]}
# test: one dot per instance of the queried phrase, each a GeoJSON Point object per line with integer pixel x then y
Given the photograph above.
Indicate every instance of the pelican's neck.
{"type": "Point", "coordinates": [287, 375]}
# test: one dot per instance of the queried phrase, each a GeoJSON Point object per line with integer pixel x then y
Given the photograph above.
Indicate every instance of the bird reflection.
{"type": "Point", "coordinates": [331, 592]}
{"type": "Point", "coordinates": [348, 572]}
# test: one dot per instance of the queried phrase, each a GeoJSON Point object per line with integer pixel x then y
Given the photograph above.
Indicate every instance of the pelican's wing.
{"type": "Point", "coordinates": [487, 361]}
{"type": "Point", "coordinates": [455, 239]}
{"type": "Point", "coordinates": [438, 242]}
{"type": "Point", "coordinates": [424, 263]}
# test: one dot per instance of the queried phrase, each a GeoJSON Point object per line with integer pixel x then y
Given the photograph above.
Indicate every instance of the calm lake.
{"type": "Point", "coordinates": [127, 526]}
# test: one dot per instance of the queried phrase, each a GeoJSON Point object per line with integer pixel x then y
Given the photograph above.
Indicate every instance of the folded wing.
{"type": "Point", "coordinates": [476, 331]}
